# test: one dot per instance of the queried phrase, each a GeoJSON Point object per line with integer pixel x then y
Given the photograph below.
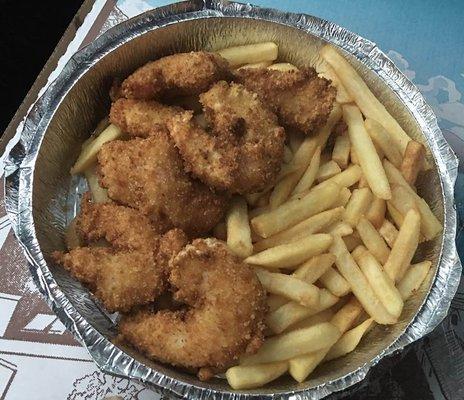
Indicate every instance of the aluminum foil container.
{"type": "Point", "coordinates": [41, 197]}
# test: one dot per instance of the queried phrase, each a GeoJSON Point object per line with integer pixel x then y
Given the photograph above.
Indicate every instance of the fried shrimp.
{"type": "Point", "coordinates": [126, 274]}
{"type": "Point", "coordinates": [301, 99]}
{"type": "Point", "coordinates": [147, 174]}
{"type": "Point", "coordinates": [243, 150]}
{"type": "Point", "coordinates": [141, 117]}
{"type": "Point", "coordinates": [224, 315]}
{"type": "Point", "coordinates": [176, 75]}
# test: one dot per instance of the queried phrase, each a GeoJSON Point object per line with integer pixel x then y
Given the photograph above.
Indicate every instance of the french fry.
{"type": "Point", "coordinates": [341, 151]}
{"type": "Point", "coordinates": [413, 161]}
{"type": "Point", "coordinates": [405, 246]}
{"type": "Point", "coordinates": [340, 228]}
{"type": "Point", "coordinates": [311, 225]}
{"type": "Point", "coordinates": [363, 97]}
{"type": "Point", "coordinates": [367, 154]}
{"type": "Point", "coordinates": [349, 341]}
{"type": "Point", "coordinates": [430, 225]}
{"type": "Point", "coordinates": [316, 266]}
{"type": "Point", "coordinates": [99, 194]}
{"type": "Point", "coordinates": [353, 157]}
{"type": "Point", "coordinates": [291, 312]}
{"type": "Point", "coordinates": [372, 240]}
{"type": "Point", "coordinates": [295, 139]}
{"type": "Point", "coordinates": [263, 201]}
{"type": "Point", "coordinates": [395, 215]}
{"type": "Point", "coordinates": [254, 376]}
{"type": "Point", "coordinates": [363, 183]}
{"type": "Point", "coordinates": [358, 204]}
{"type": "Point", "coordinates": [283, 67]}
{"type": "Point", "coordinates": [402, 200]}
{"type": "Point", "coordinates": [323, 316]}
{"type": "Point", "coordinates": [343, 197]}
{"type": "Point", "coordinates": [413, 278]}
{"type": "Point", "coordinates": [384, 141]}
{"type": "Point", "coordinates": [294, 343]}
{"type": "Point", "coordinates": [250, 53]}
{"type": "Point", "coordinates": [88, 155]}
{"type": "Point", "coordinates": [290, 287]}
{"type": "Point", "coordinates": [335, 283]}
{"type": "Point", "coordinates": [257, 211]}
{"type": "Point", "coordinates": [326, 71]}
{"type": "Point", "coordinates": [292, 254]}
{"type": "Point", "coordinates": [309, 175]}
{"type": "Point", "coordinates": [352, 241]}
{"type": "Point", "coordinates": [383, 286]}
{"type": "Point", "coordinates": [376, 212]}
{"type": "Point", "coordinates": [388, 232]}
{"type": "Point", "coordinates": [288, 155]}
{"type": "Point", "coordinates": [274, 302]}
{"type": "Point", "coordinates": [327, 170]}
{"type": "Point", "coordinates": [262, 64]}
{"type": "Point", "coordinates": [346, 178]}
{"type": "Point", "coordinates": [359, 284]}
{"type": "Point", "coordinates": [300, 367]}
{"type": "Point", "coordinates": [238, 228]}
{"type": "Point", "coordinates": [294, 211]}
{"type": "Point", "coordinates": [220, 231]}
{"type": "Point", "coordinates": [72, 237]}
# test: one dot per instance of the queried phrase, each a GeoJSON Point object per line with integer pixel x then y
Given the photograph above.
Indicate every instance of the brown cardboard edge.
{"type": "Point", "coordinates": [48, 68]}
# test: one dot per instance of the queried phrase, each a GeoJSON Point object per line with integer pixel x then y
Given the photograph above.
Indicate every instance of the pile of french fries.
{"type": "Point", "coordinates": [333, 240]}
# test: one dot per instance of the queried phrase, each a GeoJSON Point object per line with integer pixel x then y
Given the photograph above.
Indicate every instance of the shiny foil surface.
{"type": "Point", "coordinates": [42, 197]}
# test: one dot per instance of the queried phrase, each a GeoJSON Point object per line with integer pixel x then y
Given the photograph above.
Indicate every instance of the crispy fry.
{"type": "Point", "coordinates": [381, 283]}
{"type": "Point", "coordinates": [291, 313]}
{"type": "Point", "coordinates": [311, 270]}
{"type": "Point", "coordinates": [254, 376]}
{"type": "Point", "coordinates": [238, 228]}
{"type": "Point", "coordinates": [413, 278]}
{"type": "Point", "coordinates": [323, 316]}
{"type": "Point", "coordinates": [413, 161]}
{"type": "Point", "coordinates": [340, 228]}
{"type": "Point", "coordinates": [335, 283]}
{"type": "Point", "coordinates": [294, 211]}
{"type": "Point", "coordinates": [347, 315]}
{"type": "Point", "coordinates": [383, 141]}
{"type": "Point", "coordinates": [363, 97]}
{"type": "Point", "coordinates": [430, 225]}
{"type": "Point", "coordinates": [294, 343]}
{"type": "Point", "coordinates": [349, 341]}
{"type": "Point", "coordinates": [341, 151]}
{"type": "Point", "coordinates": [311, 225]}
{"type": "Point", "coordinates": [292, 254]}
{"type": "Point", "coordinates": [99, 194]}
{"type": "Point", "coordinates": [88, 154]}
{"type": "Point", "coordinates": [367, 154]}
{"type": "Point", "coordinates": [309, 175]}
{"type": "Point", "coordinates": [290, 287]}
{"type": "Point", "coordinates": [250, 53]}
{"type": "Point", "coordinates": [388, 232]}
{"type": "Point", "coordinates": [359, 284]}
{"type": "Point", "coordinates": [372, 240]}
{"type": "Point", "coordinates": [343, 197]}
{"type": "Point", "coordinates": [405, 246]}
{"type": "Point", "coordinates": [376, 212]}
{"type": "Point", "coordinates": [395, 215]}
{"type": "Point", "coordinates": [283, 67]}
{"type": "Point", "coordinates": [327, 170]}
{"type": "Point", "coordinates": [346, 178]}
{"type": "Point", "coordinates": [358, 204]}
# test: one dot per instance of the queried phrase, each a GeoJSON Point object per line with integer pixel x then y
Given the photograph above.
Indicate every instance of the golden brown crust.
{"type": "Point", "coordinates": [243, 151]}
{"type": "Point", "coordinates": [141, 117]}
{"type": "Point", "coordinates": [225, 318]}
{"type": "Point", "coordinates": [301, 99]}
{"type": "Point", "coordinates": [148, 174]}
{"type": "Point", "coordinates": [176, 75]}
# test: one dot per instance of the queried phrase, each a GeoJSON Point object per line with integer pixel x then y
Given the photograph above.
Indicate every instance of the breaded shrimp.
{"type": "Point", "coordinates": [243, 151]}
{"type": "Point", "coordinates": [147, 174]}
{"type": "Point", "coordinates": [127, 273]}
{"type": "Point", "coordinates": [223, 320]}
{"type": "Point", "coordinates": [301, 99]}
{"type": "Point", "coordinates": [141, 117]}
{"type": "Point", "coordinates": [176, 75]}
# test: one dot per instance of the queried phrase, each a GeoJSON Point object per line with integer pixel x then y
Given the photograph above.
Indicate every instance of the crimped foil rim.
{"type": "Point", "coordinates": [19, 167]}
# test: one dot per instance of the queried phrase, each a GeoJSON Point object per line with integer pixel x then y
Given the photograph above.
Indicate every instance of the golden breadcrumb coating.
{"type": "Point", "coordinates": [223, 320]}
{"type": "Point", "coordinates": [242, 151]}
{"type": "Point", "coordinates": [176, 75]}
{"type": "Point", "coordinates": [301, 99]}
